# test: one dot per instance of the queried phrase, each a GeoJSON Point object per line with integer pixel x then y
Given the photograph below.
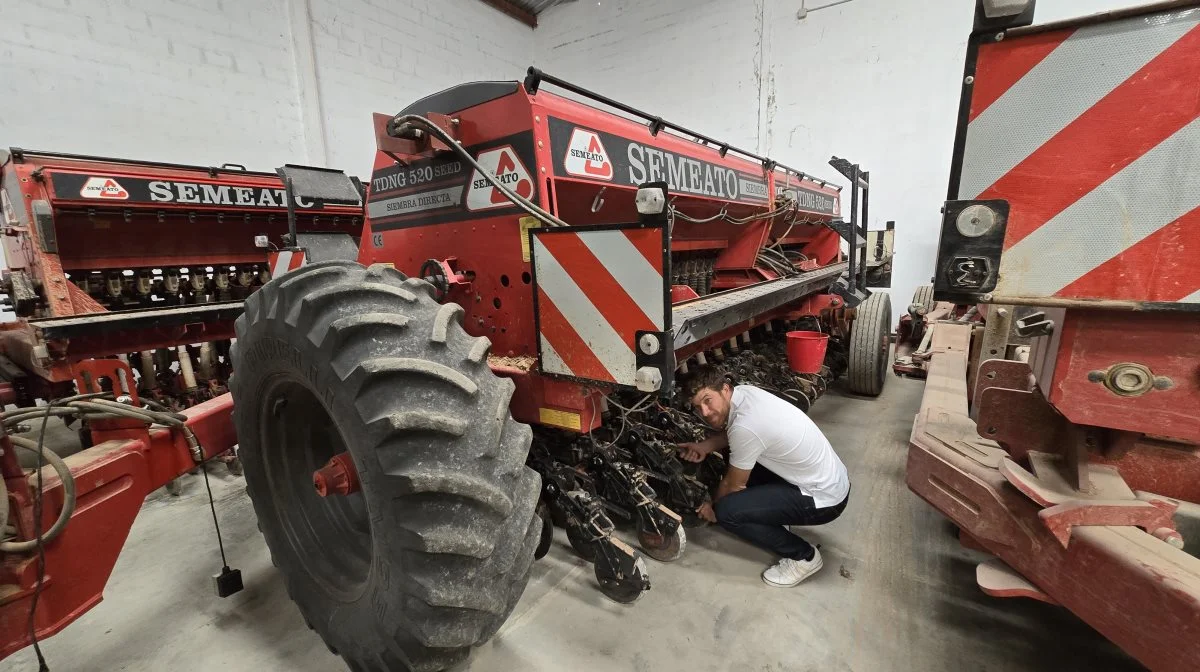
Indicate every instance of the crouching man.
{"type": "Point", "coordinates": [782, 471]}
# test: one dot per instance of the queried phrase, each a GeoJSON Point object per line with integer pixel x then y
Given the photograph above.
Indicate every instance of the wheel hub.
{"type": "Point", "coordinates": [307, 462]}
{"type": "Point", "coordinates": [337, 477]}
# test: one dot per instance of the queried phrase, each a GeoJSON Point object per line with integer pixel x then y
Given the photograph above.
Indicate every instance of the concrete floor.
{"type": "Point", "coordinates": [897, 593]}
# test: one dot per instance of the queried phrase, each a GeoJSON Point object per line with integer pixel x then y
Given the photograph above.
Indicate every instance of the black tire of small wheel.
{"type": "Point", "coordinates": [869, 343]}
{"type": "Point", "coordinates": [923, 296]}
{"type": "Point", "coordinates": [432, 554]}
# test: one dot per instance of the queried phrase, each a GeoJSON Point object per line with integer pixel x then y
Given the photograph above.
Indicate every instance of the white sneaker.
{"type": "Point", "coordinates": [787, 572]}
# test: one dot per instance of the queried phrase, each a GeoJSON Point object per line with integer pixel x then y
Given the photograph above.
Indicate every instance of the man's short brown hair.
{"type": "Point", "coordinates": [709, 377]}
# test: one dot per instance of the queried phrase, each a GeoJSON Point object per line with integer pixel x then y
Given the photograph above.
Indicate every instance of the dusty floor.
{"type": "Point", "coordinates": [897, 593]}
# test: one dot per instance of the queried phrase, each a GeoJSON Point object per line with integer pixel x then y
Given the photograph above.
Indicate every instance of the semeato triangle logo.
{"type": "Point", "coordinates": [586, 156]}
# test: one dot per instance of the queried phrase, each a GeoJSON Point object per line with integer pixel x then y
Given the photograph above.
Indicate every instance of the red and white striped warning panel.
{"type": "Point", "coordinates": [595, 290]}
{"type": "Point", "coordinates": [282, 261]}
{"type": "Point", "coordinates": [1092, 134]}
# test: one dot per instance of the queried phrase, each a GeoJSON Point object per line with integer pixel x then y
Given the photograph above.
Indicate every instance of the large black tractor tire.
{"type": "Point", "coordinates": [429, 558]}
{"type": "Point", "coordinates": [924, 297]}
{"type": "Point", "coordinates": [870, 338]}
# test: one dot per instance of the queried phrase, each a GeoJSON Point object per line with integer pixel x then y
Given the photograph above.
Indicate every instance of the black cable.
{"type": "Point", "coordinates": [41, 546]}
{"type": "Point", "coordinates": [213, 507]}
{"type": "Point", "coordinates": [520, 201]}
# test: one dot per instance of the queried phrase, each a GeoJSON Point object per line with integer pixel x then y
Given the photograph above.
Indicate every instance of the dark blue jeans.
{"type": "Point", "coordinates": [759, 513]}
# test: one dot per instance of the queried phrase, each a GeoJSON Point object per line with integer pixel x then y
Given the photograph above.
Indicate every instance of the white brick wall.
{"type": "Point", "coordinates": [381, 55]}
{"type": "Point", "coordinates": [877, 83]}
{"type": "Point", "coordinates": [690, 61]}
{"type": "Point", "coordinates": [209, 81]}
{"type": "Point", "coordinates": [196, 81]}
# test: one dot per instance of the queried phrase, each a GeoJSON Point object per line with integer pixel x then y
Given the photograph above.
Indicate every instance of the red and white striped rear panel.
{"type": "Point", "coordinates": [595, 290]}
{"type": "Point", "coordinates": [1093, 136]}
{"type": "Point", "coordinates": [282, 261]}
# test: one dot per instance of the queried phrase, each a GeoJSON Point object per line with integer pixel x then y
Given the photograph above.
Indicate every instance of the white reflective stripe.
{"type": "Point", "coordinates": [283, 264]}
{"type": "Point", "coordinates": [1087, 66]}
{"type": "Point", "coordinates": [551, 362]}
{"type": "Point", "coordinates": [641, 281]}
{"type": "Point", "coordinates": [1147, 195]}
{"type": "Point", "coordinates": [600, 337]}
{"type": "Point", "coordinates": [1194, 297]}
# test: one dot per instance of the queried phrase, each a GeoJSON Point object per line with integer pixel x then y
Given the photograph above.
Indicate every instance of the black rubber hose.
{"type": "Point", "coordinates": [64, 516]}
{"type": "Point", "coordinates": [524, 203]}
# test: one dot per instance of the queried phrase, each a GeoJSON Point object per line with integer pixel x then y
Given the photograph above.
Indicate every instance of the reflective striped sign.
{"type": "Point", "coordinates": [282, 261]}
{"type": "Point", "coordinates": [596, 288]}
{"type": "Point", "coordinates": [1092, 134]}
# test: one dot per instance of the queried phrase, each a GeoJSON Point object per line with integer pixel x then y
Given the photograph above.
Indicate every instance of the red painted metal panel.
{"type": "Point", "coordinates": [1133, 588]}
{"type": "Point", "coordinates": [1094, 341]}
{"type": "Point", "coordinates": [111, 481]}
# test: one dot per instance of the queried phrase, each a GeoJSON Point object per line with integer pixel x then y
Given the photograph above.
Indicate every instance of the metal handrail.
{"type": "Point", "coordinates": [533, 81]}
{"type": "Point", "coordinates": [19, 154]}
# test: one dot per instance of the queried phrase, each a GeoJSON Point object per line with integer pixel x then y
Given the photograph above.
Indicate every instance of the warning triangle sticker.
{"type": "Point", "coordinates": [504, 164]}
{"type": "Point", "coordinates": [103, 188]}
{"type": "Point", "coordinates": [586, 156]}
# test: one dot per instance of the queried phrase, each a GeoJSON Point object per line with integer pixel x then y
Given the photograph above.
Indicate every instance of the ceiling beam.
{"type": "Point", "coordinates": [524, 16]}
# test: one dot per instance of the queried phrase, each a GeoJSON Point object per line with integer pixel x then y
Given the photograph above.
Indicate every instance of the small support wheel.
{"type": "Point", "coordinates": [547, 538]}
{"type": "Point", "coordinates": [581, 542]}
{"type": "Point", "coordinates": [923, 297]}
{"type": "Point", "coordinates": [663, 548]}
{"type": "Point", "coordinates": [624, 588]}
{"type": "Point", "coordinates": [557, 515]}
{"type": "Point", "coordinates": [798, 399]}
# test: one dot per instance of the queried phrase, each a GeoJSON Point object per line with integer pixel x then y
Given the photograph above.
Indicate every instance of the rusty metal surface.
{"type": "Point", "coordinates": [959, 434]}
{"type": "Point", "coordinates": [1021, 421]}
{"type": "Point", "coordinates": [1168, 469]}
{"type": "Point", "coordinates": [1104, 482]}
{"type": "Point", "coordinates": [966, 492]}
{"type": "Point", "coordinates": [995, 336]}
{"type": "Point", "coordinates": [1133, 588]}
{"type": "Point", "coordinates": [1048, 484]}
{"type": "Point", "coordinates": [1062, 518]}
{"type": "Point", "coordinates": [1001, 373]}
{"type": "Point", "coordinates": [1044, 350]}
{"type": "Point", "coordinates": [999, 580]}
{"type": "Point", "coordinates": [947, 389]}
{"type": "Point", "coordinates": [1093, 341]}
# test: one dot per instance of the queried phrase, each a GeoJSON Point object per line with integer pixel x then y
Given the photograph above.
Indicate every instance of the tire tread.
{"type": "Point", "coordinates": [459, 490]}
{"type": "Point", "coordinates": [872, 323]}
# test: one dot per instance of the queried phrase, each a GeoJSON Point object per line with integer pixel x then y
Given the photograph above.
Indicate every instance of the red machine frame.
{"type": "Point", "coordinates": [113, 478]}
{"type": "Point", "coordinates": [531, 133]}
{"type": "Point", "coordinates": [1073, 461]}
{"type": "Point", "coordinates": [59, 215]}
{"type": "Point", "coordinates": [56, 224]}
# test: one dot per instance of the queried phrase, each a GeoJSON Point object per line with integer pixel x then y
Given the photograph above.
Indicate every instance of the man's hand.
{"type": "Point", "coordinates": [706, 512]}
{"type": "Point", "coordinates": [694, 452]}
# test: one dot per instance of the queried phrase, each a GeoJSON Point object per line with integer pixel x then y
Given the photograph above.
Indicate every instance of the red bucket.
{"type": "Point", "coordinates": [806, 350]}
